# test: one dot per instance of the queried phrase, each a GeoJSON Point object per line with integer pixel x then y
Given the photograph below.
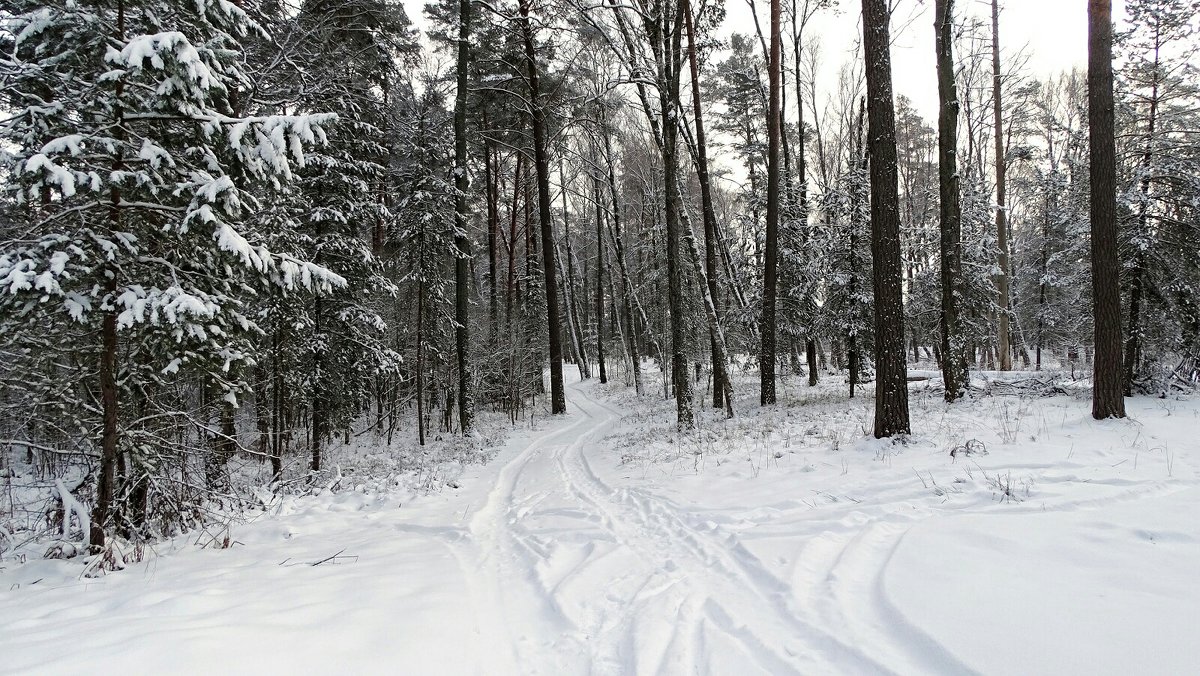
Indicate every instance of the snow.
{"type": "Point", "coordinates": [604, 542]}
{"type": "Point", "coordinates": [54, 174]}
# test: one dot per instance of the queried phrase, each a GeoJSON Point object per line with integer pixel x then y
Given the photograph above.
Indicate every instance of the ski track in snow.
{"type": "Point", "coordinates": [546, 567]}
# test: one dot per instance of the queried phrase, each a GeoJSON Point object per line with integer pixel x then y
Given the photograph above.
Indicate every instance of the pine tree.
{"type": "Point", "coordinates": [136, 190]}
{"type": "Point", "coordinates": [954, 364]}
{"type": "Point", "coordinates": [891, 383]}
{"type": "Point", "coordinates": [1107, 388]}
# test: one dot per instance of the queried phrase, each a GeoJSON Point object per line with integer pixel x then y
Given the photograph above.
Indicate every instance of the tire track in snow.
{"type": "Point", "coordinates": [510, 583]}
{"type": "Point", "coordinates": [746, 603]}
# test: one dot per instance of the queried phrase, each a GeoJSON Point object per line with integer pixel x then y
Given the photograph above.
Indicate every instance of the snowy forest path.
{"type": "Point", "coordinates": [612, 579]}
{"type": "Point", "coordinates": [564, 555]}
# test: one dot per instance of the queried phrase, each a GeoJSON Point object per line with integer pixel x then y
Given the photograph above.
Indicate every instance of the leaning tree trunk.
{"type": "Point", "coordinates": [541, 159]}
{"type": "Point", "coordinates": [954, 365]}
{"type": "Point", "coordinates": [891, 383]}
{"type": "Point", "coordinates": [1107, 385]}
{"type": "Point", "coordinates": [462, 245]}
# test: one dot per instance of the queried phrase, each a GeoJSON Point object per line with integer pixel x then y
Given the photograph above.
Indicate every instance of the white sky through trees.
{"type": "Point", "coordinates": [1051, 34]}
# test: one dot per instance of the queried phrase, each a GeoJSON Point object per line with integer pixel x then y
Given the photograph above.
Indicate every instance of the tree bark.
{"type": "Point", "coordinates": [316, 403]}
{"type": "Point", "coordinates": [1003, 296]}
{"type": "Point", "coordinates": [1107, 385]}
{"type": "Point", "coordinates": [541, 159]}
{"type": "Point", "coordinates": [599, 279]}
{"type": "Point", "coordinates": [462, 244]}
{"type": "Point", "coordinates": [420, 365]}
{"type": "Point", "coordinates": [1133, 341]}
{"type": "Point", "coordinates": [891, 383]}
{"type": "Point", "coordinates": [798, 24]}
{"type": "Point", "coordinates": [669, 61]}
{"type": "Point", "coordinates": [954, 364]}
{"type": "Point", "coordinates": [720, 368]}
{"type": "Point", "coordinates": [766, 358]}
{"type": "Point", "coordinates": [574, 312]}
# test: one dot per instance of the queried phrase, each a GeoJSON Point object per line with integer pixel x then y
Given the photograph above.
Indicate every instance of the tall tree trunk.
{"type": "Point", "coordinates": [799, 20]}
{"type": "Point", "coordinates": [574, 312]}
{"type": "Point", "coordinates": [541, 159]}
{"type": "Point", "coordinates": [316, 400]}
{"type": "Point", "coordinates": [1107, 387]}
{"type": "Point", "coordinates": [766, 358]}
{"type": "Point", "coordinates": [1133, 341]}
{"type": "Point", "coordinates": [720, 368]}
{"type": "Point", "coordinates": [511, 287]}
{"type": "Point", "coordinates": [1003, 299]}
{"type": "Point", "coordinates": [420, 365]}
{"type": "Point", "coordinates": [669, 63]}
{"type": "Point", "coordinates": [462, 244]}
{"type": "Point", "coordinates": [599, 279]}
{"type": "Point", "coordinates": [954, 364]}
{"type": "Point", "coordinates": [891, 383]}
{"type": "Point", "coordinates": [616, 234]}
{"type": "Point", "coordinates": [491, 170]}
{"type": "Point", "coordinates": [110, 412]}
{"type": "Point", "coordinates": [277, 396]}
{"type": "Point", "coordinates": [860, 158]}
{"type": "Point", "coordinates": [574, 328]}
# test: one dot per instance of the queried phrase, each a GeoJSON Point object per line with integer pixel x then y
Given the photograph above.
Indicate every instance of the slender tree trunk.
{"type": "Point", "coordinates": [860, 158]}
{"type": "Point", "coordinates": [891, 382]}
{"type": "Point", "coordinates": [491, 170]}
{"type": "Point", "coordinates": [277, 406]}
{"type": "Point", "coordinates": [1108, 376]}
{"type": "Point", "coordinates": [541, 158]}
{"type": "Point", "coordinates": [462, 244]}
{"type": "Point", "coordinates": [599, 279]}
{"type": "Point", "coordinates": [1003, 300]}
{"type": "Point", "coordinates": [669, 63]}
{"type": "Point", "coordinates": [798, 24]}
{"type": "Point", "coordinates": [766, 359]}
{"type": "Point", "coordinates": [574, 325]}
{"type": "Point", "coordinates": [574, 312]}
{"type": "Point", "coordinates": [511, 287]}
{"type": "Point", "coordinates": [720, 368]}
{"type": "Point", "coordinates": [420, 366]}
{"type": "Point", "coordinates": [1133, 341]}
{"type": "Point", "coordinates": [954, 365]}
{"type": "Point", "coordinates": [110, 412]}
{"type": "Point", "coordinates": [631, 300]}
{"type": "Point", "coordinates": [316, 400]}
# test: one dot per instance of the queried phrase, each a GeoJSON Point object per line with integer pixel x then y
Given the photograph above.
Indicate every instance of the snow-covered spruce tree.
{"type": "Point", "coordinates": [845, 234]}
{"type": "Point", "coordinates": [1159, 186]}
{"type": "Point", "coordinates": [349, 51]}
{"type": "Point", "coordinates": [423, 230]}
{"type": "Point", "coordinates": [132, 176]}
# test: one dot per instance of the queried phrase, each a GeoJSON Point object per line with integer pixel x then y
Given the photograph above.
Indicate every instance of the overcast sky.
{"type": "Point", "coordinates": [1051, 33]}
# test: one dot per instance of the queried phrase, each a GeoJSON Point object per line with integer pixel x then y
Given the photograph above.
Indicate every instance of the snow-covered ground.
{"type": "Point", "coordinates": [781, 542]}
